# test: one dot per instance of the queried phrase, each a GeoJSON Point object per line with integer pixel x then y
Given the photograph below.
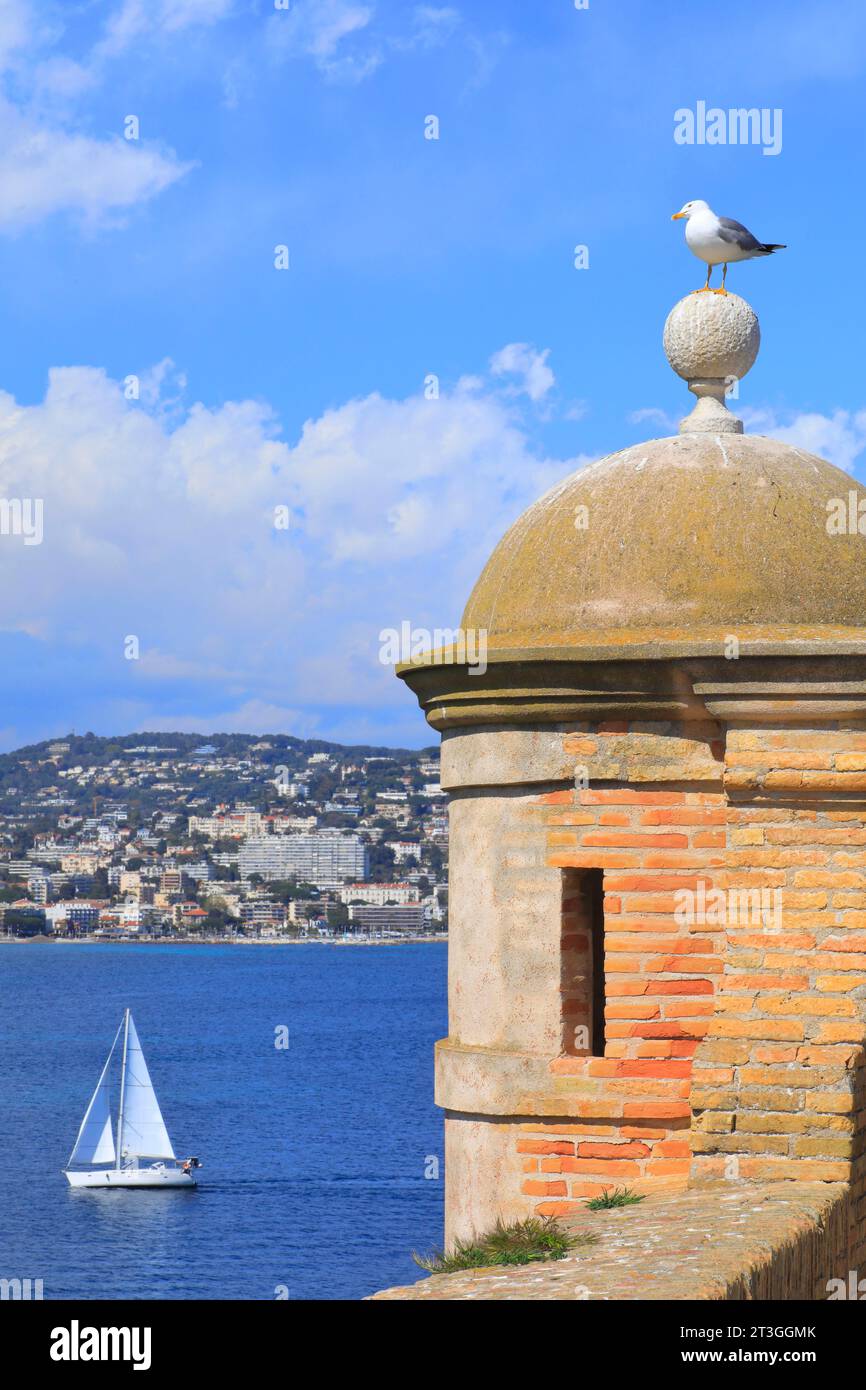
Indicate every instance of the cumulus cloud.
{"type": "Point", "coordinates": [161, 524]}
{"type": "Point", "coordinates": [46, 169]}
{"type": "Point", "coordinates": [250, 717]}
{"type": "Point", "coordinates": [399, 479]}
{"type": "Point", "coordinates": [525, 362]}
{"type": "Point", "coordinates": [48, 163]}
{"type": "Point", "coordinates": [840, 438]}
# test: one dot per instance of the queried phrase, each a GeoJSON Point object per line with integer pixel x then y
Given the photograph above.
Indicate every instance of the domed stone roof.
{"type": "Point", "coordinates": [695, 534]}
{"type": "Point", "coordinates": [680, 542]}
{"type": "Point", "coordinates": [617, 595]}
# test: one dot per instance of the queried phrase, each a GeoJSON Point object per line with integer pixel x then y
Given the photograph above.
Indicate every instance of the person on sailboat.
{"type": "Point", "coordinates": [186, 1166]}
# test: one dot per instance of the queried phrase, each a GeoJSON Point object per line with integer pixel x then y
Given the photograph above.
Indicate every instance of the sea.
{"type": "Point", "coordinates": [300, 1075]}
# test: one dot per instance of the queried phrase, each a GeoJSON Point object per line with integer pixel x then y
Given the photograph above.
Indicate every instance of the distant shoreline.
{"type": "Point", "coordinates": [235, 941]}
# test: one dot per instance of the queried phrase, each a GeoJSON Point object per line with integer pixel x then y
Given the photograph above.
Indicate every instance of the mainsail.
{"type": "Point", "coordinates": [144, 1134]}
{"type": "Point", "coordinates": [95, 1142]}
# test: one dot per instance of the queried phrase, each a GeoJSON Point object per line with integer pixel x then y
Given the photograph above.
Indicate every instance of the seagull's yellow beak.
{"type": "Point", "coordinates": [676, 215]}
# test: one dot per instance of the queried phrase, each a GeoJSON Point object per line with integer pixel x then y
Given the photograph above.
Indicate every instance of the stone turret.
{"type": "Point", "coordinates": [658, 819]}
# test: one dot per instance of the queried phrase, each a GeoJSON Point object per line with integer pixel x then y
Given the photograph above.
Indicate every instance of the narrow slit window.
{"type": "Point", "coordinates": [582, 963]}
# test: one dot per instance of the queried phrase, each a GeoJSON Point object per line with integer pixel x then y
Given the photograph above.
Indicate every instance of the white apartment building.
{"type": "Point", "coordinates": [404, 849]}
{"type": "Point", "coordinates": [293, 790]}
{"type": "Point", "coordinates": [39, 886]}
{"type": "Point", "coordinates": [378, 894]}
{"type": "Point", "coordinates": [234, 825]}
{"type": "Point", "coordinates": [259, 912]}
{"type": "Point", "coordinates": [290, 825]}
{"type": "Point", "coordinates": [325, 860]}
{"type": "Point", "coordinates": [81, 863]}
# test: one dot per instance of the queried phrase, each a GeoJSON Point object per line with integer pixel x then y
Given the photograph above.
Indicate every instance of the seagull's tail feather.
{"type": "Point", "coordinates": [768, 247]}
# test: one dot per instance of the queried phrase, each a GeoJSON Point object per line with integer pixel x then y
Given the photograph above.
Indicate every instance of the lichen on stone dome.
{"type": "Point", "coordinates": [676, 542]}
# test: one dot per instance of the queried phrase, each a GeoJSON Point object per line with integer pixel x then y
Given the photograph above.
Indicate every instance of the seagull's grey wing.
{"type": "Point", "coordinates": [737, 234]}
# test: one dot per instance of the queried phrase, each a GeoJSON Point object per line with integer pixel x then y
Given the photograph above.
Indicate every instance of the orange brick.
{"type": "Point", "coordinates": [656, 1068]}
{"type": "Point", "coordinates": [537, 1188]}
{"type": "Point", "coordinates": [556, 1209]}
{"type": "Point", "coordinates": [617, 1168]}
{"type": "Point", "coordinates": [631, 797]}
{"type": "Point", "coordinates": [666, 883]}
{"type": "Point", "coordinates": [634, 840]}
{"type": "Point", "coordinates": [591, 859]}
{"type": "Point", "coordinates": [653, 1110]}
{"type": "Point", "coordinates": [680, 987]}
{"type": "Point", "coordinates": [775, 1054]}
{"type": "Point", "coordinates": [544, 1146]}
{"type": "Point", "coordinates": [612, 1151]}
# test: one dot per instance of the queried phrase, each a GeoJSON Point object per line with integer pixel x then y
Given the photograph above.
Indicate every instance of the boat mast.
{"type": "Point", "coordinates": [122, 1089]}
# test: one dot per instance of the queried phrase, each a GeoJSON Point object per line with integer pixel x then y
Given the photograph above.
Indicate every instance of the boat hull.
{"type": "Point", "coordinates": [140, 1177]}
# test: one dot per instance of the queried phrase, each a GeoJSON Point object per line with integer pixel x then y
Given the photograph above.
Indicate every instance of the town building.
{"type": "Point", "coordinates": [259, 912]}
{"type": "Point", "coordinates": [324, 860]}
{"type": "Point", "coordinates": [404, 849]}
{"type": "Point", "coordinates": [83, 916]}
{"type": "Point", "coordinates": [379, 893]}
{"type": "Point", "coordinates": [388, 920]}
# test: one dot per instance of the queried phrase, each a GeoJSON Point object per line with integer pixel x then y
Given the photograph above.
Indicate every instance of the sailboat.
{"type": "Point", "coordinates": [143, 1155]}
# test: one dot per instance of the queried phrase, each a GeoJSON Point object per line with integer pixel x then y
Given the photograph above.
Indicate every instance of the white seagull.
{"type": "Point", "coordinates": [719, 240]}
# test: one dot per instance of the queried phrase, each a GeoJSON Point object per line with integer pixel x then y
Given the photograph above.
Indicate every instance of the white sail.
{"type": "Point", "coordinates": [144, 1132]}
{"type": "Point", "coordinates": [95, 1142]}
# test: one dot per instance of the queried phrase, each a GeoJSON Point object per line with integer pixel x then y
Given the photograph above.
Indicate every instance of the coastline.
{"type": "Point", "coordinates": [221, 941]}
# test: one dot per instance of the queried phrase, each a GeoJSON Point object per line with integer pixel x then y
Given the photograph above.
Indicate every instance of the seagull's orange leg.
{"type": "Point", "coordinates": [724, 274]}
{"type": "Point", "coordinates": [705, 287]}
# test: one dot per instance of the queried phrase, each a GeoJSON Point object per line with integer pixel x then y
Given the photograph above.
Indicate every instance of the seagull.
{"type": "Point", "coordinates": [718, 240]}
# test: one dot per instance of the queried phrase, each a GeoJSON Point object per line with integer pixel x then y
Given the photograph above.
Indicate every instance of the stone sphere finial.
{"type": "Point", "coordinates": [711, 340]}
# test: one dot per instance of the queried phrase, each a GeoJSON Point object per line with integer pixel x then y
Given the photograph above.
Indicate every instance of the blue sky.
{"type": "Point", "coordinates": [260, 388]}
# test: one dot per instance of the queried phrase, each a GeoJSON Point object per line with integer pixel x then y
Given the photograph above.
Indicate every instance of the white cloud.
{"type": "Point", "coordinates": [159, 524]}
{"type": "Point", "coordinates": [48, 164]}
{"type": "Point", "coordinates": [318, 29]}
{"type": "Point", "coordinates": [135, 18]}
{"type": "Point", "coordinates": [654, 415]}
{"type": "Point", "coordinates": [380, 481]}
{"type": "Point", "coordinates": [431, 26]}
{"type": "Point", "coordinates": [840, 438]}
{"type": "Point", "coordinates": [60, 79]}
{"type": "Point", "coordinates": [251, 717]}
{"type": "Point", "coordinates": [524, 361]}
{"type": "Point", "coordinates": [17, 28]}
{"type": "Point", "coordinates": [46, 169]}
{"type": "Point", "coordinates": [322, 24]}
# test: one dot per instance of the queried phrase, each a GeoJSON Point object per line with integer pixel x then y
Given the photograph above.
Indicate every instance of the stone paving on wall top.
{"type": "Point", "coordinates": [719, 1241]}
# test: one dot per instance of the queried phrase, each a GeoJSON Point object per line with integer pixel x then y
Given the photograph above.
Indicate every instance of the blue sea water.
{"type": "Point", "coordinates": [314, 1156]}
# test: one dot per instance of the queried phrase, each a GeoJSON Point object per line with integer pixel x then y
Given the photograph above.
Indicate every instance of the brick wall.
{"type": "Point", "coordinates": [778, 1087]}
{"type": "Point", "coordinates": [663, 832]}
{"type": "Point", "coordinates": [733, 1048]}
